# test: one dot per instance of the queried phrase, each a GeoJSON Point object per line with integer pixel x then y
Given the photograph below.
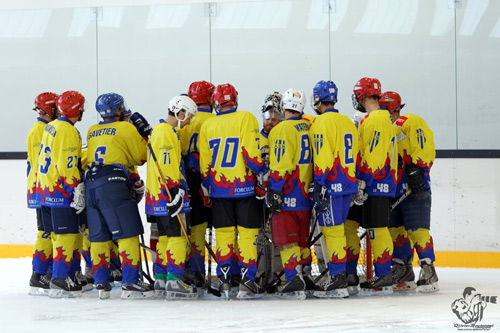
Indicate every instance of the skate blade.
{"type": "Point", "coordinates": [248, 295]}
{"type": "Point", "coordinates": [37, 291]}
{"type": "Point", "coordinates": [335, 293]}
{"type": "Point", "coordinates": [404, 286]}
{"type": "Point", "coordinates": [127, 294]}
{"type": "Point", "coordinates": [387, 290]}
{"type": "Point", "coordinates": [298, 295]}
{"type": "Point", "coordinates": [174, 295]}
{"type": "Point", "coordinates": [159, 293]}
{"type": "Point", "coordinates": [309, 293]}
{"type": "Point", "coordinates": [87, 287]}
{"type": "Point", "coordinates": [60, 293]}
{"type": "Point", "coordinates": [200, 292]}
{"type": "Point", "coordinates": [429, 288]}
{"type": "Point", "coordinates": [353, 290]}
{"type": "Point", "coordinates": [103, 294]}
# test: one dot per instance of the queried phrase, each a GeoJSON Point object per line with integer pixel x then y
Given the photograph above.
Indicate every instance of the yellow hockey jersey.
{"type": "Point", "coordinates": [58, 172]}
{"type": "Point", "coordinates": [290, 162]}
{"type": "Point", "coordinates": [335, 147]}
{"type": "Point", "coordinates": [229, 154]}
{"type": "Point", "coordinates": [377, 159]}
{"type": "Point", "coordinates": [166, 145]}
{"type": "Point", "coordinates": [189, 139]}
{"type": "Point", "coordinates": [309, 118]}
{"type": "Point", "coordinates": [34, 141]}
{"type": "Point", "coordinates": [415, 146]}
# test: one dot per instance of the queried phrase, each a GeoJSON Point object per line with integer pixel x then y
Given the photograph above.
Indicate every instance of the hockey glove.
{"type": "Point", "coordinates": [78, 202]}
{"type": "Point", "coordinates": [141, 124]}
{"type": "Point", "coordinates": [175, 206]}
{"type": "Point", "coordinates": [138, 191]}
{"type": "Point", "coordinates": [274, 200]}
{"type": "Point", "coordinates": [415, 177]}
{"type": "Point", "coordinates": [205, 195]}
{"type": "Point", "coordinates": [361, 196]}
{"type": "Point", "coordinates": [320, 203]}
{"type": "Point", "coordinates": [260, 189]}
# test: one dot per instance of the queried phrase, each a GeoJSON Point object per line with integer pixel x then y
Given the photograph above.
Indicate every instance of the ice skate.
{"type": "Point", "coordinates": [104, 290]}
{"type": "Point", "coordinates": [309, 280]}
{"type": "Point", "coordinates": [197, 280]}
{"type": "Point", "coordinates": [334, 287]}
{"type": "Point", "coordinates": [428, 279]}
{"type": "Point", "coordinates": [159, 288]}
{"type": "Point", "coordinates": [60, 288]}
{"type": "Point", "coordinates": [115, 278]}
{"type": "Point", "coordinates": [178, 289]}
{"type": "Point", "coordinates": [403, 277]}
{"type": "Point", "coordinates": [89, 274]}
{"type": "Point", "coordinates": [377, 286]}
{"type": "Point", "coordinates": [39, 285]}
{"type": "Point", "coordinates": [137, 290]}
{"type": "Point", "coordinates": [225, 281]}
{"type": "Point", "coordinates": [294, 289]}
{"type": "Point", "coordinates": [249, 289]}
{"type": "Point", "coordinates": [81, 280]}
{"type": "Point", "coordinates": [352, 284]}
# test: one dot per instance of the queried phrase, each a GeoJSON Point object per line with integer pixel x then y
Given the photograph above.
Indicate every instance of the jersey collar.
{"type": "Point", "coordinates": [42, 120]}
{"type": "Point", "coordinates": [66, 120]}
{"type": "Point", "coordinates": [226, 112]}
{"type": "Point", "coordinates": [331, 110]}
{"type": "Point", "coordinates": [295, 118]}
{"type": "Point", "coordinates": [204, 110]}
{"type": "Point", "coordinates": [264, 134]}
{"type": "Point", "coordinates": [162, 121]}
{"type": "Point", "coordinates": [107, 121]}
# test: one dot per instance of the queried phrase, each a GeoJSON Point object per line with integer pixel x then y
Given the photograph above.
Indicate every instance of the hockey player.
{"type": "Point", "coordinates": [287, 197]}
{"type": "Point", "coordinates": [272, 115]}
{"type": "Point", "coordinates": [61, 191]}
{"type": "Point", "coordinates": [376, 174]}
{"type": "Point", "coordinates": [114, 149]}
{"type": "Point", "coordinates": [201, 216]}
{"type": "Point", "coordinates": [171, 249]}
{"type": "Point", "coordinates": [412, 216]}
{"type": "Point", "coordinates": [229, 162]}
{"type": "Point", "coordinates": [45, 106]}
{"type": "Point", "coordinates": [335, 147]}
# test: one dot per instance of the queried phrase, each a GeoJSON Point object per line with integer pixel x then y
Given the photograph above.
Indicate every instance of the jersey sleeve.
{"type": "Point", "coordinates": [205, 155]}
{"type": "Point", "coordinates": [250, 144]}
{"type": "Point", "coordinates": [421, 137]}
{"type": "Point", "coordinates": [137, 147]}
{"type": "Point", "coordinates": [68, 160]}
{"type": "Point", "coordinates": [282, 151]}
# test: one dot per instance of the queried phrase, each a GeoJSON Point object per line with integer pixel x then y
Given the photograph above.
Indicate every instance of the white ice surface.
{"type": "Point", "coordinates": [399, 313]}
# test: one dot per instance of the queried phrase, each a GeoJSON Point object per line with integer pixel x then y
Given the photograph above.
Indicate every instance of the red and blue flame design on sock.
{"type": "Point", "coordinates": [174, 268]}
{"type": "Point", "coordinates": [337, 265]}
{"type": "Point", "coordinates": [290, 271]}
{"type": "Point", "coordinates": [130, 272]}
{"type": "Point", "coordinates": [41, 262]}
{"type": "Point", "coordinates": [427, 251]}
{"type": "Point", "coordinates": [101, 269]}
{"type": "Point", "coordinates": [402, 247]}
{"type": "Point", "coordinates": [61, 264]}
{"type": "Point", "coordinates": [351, 261]}
{"type": "Point", "coordinates": [251, 265]}
{"type": "Point", "coordinates": [383, 263]}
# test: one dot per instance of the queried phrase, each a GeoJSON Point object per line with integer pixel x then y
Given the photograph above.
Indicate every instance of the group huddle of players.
{"type": "Point", "coordinates": [217, 170]}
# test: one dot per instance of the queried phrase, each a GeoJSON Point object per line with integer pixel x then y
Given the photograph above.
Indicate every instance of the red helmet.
{"type": "Point", "coordinates": [201, 91]}
{"type": "Point", "coordinates": [71, 104]}
{"type": "Point", "coordinates": [45, 103]}
{"type": "Point", "coordinates": [391, 100]}
{"type": "Point", "coordinates": [225, 95]}
{"type": "Point", "coordinates": [367, 87]}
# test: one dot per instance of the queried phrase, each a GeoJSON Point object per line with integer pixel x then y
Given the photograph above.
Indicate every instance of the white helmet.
{"type": "Point", "coordinates": [294, 99]}
{"type": "Point", "coordinates": [182, 103]}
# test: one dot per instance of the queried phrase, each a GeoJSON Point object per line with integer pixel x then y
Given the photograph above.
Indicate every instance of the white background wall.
{"type": "Point", "coordinates": [465, 208]}
{"type": "Point", "coordinates": [442, 60]}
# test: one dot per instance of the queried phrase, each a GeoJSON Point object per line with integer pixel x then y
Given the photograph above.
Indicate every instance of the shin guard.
{"type": "Point", "coordinates": [336, 245]}
{"type": "Point", "coordinates": [382, 248]}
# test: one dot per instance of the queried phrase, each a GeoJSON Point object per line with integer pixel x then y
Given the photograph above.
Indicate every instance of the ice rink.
{"type": "Point", "coordinates": [397, 313]}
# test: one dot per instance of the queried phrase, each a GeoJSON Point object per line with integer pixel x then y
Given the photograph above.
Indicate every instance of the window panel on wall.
{"type": "Point", "coordinates": [478, 70]}
{"type": "Point", "coordinates": [40, 54]}
{"type": "Point", "coordinates": [150, 54]}
{"type": "Point", "coordinates": [262, 47]}
{"type": "Point", "coordinates": [409, 47]}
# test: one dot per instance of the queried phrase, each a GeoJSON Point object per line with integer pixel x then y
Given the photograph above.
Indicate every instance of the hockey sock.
{"type": "Point", "coordinates": [86, 251]}
{"type": "Point", "coordinates": [382, 248]}
{"type": "Point", "coordinates": [290, 259]}
{"type": "Point", "coordinates": [235, 267]}
{"type": "Point", "coordinates": [305, 256]}
{"type": "Point", "coordinates": [115, 256]}
{"type": "Point", "coordinates": [401, 242]}
{"type": "Point", "coordinates": [198, 240]}
{"type": "Point", "coordinates": [42, 252]}
{"type": "Point", "coordinates": [247, 250]}
{"type": "Point", "coordinates": [352, 246]}
{"type": "Point", "coordinates": [176, 255]}
{"type": "Point", "coordinates": [225, 243]}
{"type": "Point", "coordinates": [63, 246]}
{"type": "Point", "coordinates": [76, 266]}
{"type": "Point", "coordinates": [100, 255]}
{"type": "Point", "coordinates": [129, 257]}
{"type": "Point", "coordinates": [335, 244]}
{"type": "Point", "coordinates": [424, 244]}
{"type": "Point", "coordinates": [161, 256]}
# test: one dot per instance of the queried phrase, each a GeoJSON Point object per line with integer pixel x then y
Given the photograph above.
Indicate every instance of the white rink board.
{"type": "Point", "coordinates": [465, 211]}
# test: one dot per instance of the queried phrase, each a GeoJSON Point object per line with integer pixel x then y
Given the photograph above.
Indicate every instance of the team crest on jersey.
{"type": "Point", "coordinates": [421, 138]}
{"type": "Point", "coordinates": [318, 141]}
{"type": "Point", "coordinates": [279, 149]}
{"type": "Point", "coordinates": [374, 140]}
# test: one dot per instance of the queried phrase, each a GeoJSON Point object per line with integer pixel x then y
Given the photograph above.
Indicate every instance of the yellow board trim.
{"type": "Point", "coordinates": [443, 258]}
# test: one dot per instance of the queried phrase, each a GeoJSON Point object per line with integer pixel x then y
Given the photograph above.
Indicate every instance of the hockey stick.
{"type": "Point", "coordinates": [209, 287]}
{"type": "Point", "coordinates": [209, 273]}
{"type": "Point", "coordinates": [145, 256]}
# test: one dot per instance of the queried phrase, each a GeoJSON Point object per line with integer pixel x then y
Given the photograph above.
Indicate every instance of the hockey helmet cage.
{"type": "Point", "coordinates": [272, 103]}
{"type": "Point", "coordinates": [71, 104]}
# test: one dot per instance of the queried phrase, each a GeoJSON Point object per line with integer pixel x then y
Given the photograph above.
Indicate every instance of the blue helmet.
{"type": "Point", "coordinates": [108, 104]}
{"type": "Point", "coordinates": [324, 91]}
